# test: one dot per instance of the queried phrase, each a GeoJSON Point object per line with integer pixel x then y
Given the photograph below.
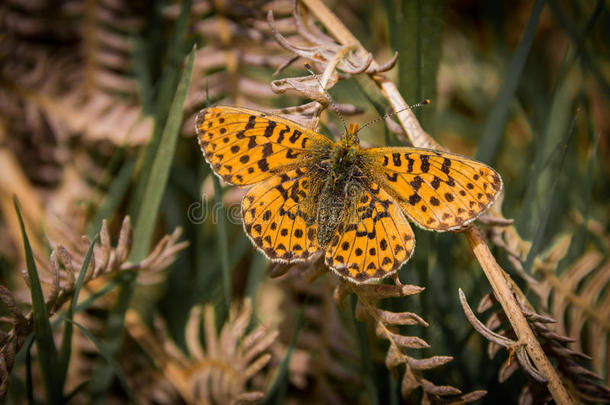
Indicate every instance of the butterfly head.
{"type": "Point", "coordinates": [345, 154]}
{"type": "Point", "coordinates": [350, 138]}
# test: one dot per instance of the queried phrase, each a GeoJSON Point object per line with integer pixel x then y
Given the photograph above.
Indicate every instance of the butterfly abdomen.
{"type": "Point", "coordinates": [331, 211]}
{"type": "Point", "coordinates": [333, 198]}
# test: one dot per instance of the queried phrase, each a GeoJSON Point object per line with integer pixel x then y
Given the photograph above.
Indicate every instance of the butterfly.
{"type": "Point", "coordinates": [309, 194]}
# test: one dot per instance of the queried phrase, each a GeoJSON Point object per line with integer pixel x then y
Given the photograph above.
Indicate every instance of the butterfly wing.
{"type": "Point", "coordinates": [245, 146]}
{"type": "Point", "coordinates": [277, 215]}
{"type": "Point", "coordinates": [375, 238]}
{"type": "Point", "coordinates": [437, 190]}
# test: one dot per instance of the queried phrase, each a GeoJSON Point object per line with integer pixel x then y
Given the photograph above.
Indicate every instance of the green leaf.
{"type": "Point", "coordinates": [365, 355]}
{"type": "Point", "coordinates": [223, 248]}
{"type": "Point", "coordinates": [540, 230]}
{"type": "Point", "coordinates": [140, 50]}
{"type": "Point", "coordinates": [114, 196]}
{"type": "Point", "coordinates": [29, 386]}
{"type": "Point", "coordinates": [277, 389]}
{"type": "Point", "coordinates": [66, 344]}
{"type": "Point", "coordinates": [144, 227]}
{"type": "Point", "coordinates": [494, 127]}
{"type": "Point", "coordinates": [47, 352]}
{"type": "Point", "coordinates": [164, 103]}
{"type": "Point", "coordinates": [255, 276]}
{"type": "Point", "coordinates": [107, 355]}
{"type": "Point", "coordinates": [415, 29]}
{"type": "Point", "coordinates": [76, 390]}
{"type": "Point", "coordinates": [161, 166]}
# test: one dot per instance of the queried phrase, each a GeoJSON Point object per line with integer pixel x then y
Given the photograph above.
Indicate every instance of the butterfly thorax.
{"type": "Point", "coordinates": [334, 197]}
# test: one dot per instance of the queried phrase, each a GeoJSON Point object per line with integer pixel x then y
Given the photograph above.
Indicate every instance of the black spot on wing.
{"type": "Point", "coordinates": [446, 165]}
{"type": "Point", "coordinates": [396, 159]}
{"type": "Point", "coordinates": [269, 129]}
{"type": "Point", "coordinates": [296, 134]}
{"type": "Point", "coordinates": [416, 182]}
{"type": "Point", "coordinates": [425, 163]}
{"type": "Point", "coordinates": [263, 165]}
{"type": "Point", "coordinates": [251, 122]}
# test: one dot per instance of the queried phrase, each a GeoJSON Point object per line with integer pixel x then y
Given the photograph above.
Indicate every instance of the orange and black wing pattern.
{"type": "Point", "coordinates": [246, 146]}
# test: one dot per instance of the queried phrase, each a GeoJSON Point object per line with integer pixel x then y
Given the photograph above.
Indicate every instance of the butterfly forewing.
{"type": "Point", "coordinates": [245, 146]}
{"type": "Point", "coordinates": [437, 190]}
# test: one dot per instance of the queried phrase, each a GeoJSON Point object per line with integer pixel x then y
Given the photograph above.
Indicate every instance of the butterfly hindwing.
{"type": "Point", "coordinates": [246, 146]}
{"type": "Point", "coordinates": [276, 216]}
{"type": "Point", "coordinates": [375, 238]}
{"type": "Point", "coordinates": [437, 190]}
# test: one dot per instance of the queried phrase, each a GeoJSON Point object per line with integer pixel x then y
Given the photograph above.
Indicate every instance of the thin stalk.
{"type": "Point", "coordinates": [498, 279]}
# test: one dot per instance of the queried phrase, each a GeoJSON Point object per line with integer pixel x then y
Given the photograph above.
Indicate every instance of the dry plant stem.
{"type": "Point", "coordinates": [496, 276]}
{"type": "Point", "coordinates": [502, 290]}
{"type": "Point", "coordinates": [407, 119]}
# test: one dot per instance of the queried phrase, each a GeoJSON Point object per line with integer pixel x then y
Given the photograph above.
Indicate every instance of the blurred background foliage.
{"type": "Point", "coordinates": [96, 123]}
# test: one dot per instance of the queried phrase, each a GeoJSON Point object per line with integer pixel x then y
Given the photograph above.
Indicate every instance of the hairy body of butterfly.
{"type": "Point", "coordinates": [310, 194]}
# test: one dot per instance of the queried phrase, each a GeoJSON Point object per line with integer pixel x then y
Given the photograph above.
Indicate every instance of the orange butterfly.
{"type": "Point", "coordinates": [310, 194]}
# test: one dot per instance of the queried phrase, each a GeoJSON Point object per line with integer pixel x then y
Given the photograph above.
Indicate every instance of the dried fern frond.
{"type": "Point", "coordinates": [222, 370]}
{"type": "Point", "coordinates": [59, 275]}
{"type": "Point", "coordinates": [77, 84]}
{"type": "Point", "coordinates": [63, 72]}
{"type": "Point", "coordinates": [386, 325]}
{"type": "Point", "coordinates": [581, 381]}
{"type": "Point", "coordinates": [574, 298]}
{"type": "Point", "coordinates": [235, 38]}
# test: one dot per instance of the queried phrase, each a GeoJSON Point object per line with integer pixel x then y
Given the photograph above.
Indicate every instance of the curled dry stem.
{"type": "Point", "coordinates": [496, 276]}
{"type": "Point", "coordinates": [515, 347]}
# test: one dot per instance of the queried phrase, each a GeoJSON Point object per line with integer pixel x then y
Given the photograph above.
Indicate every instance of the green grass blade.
{"type": "Point", "coordinates": [107, 355]}
{"type": "Point", "coordinates": [66, 344]}
{"type": "Point", "coordinates": [102, 377]}
{"type": "Point", "coordinates": [119, 280]}
{"type": "Point", "coordinates": [494, 127]}
{"type": "Point", "coordinates": [394, 390]}
{"type": "Point", "coordinates": [167, 86]}
{"type": "Point", "coordinates": [47, 352]}
{"type": "Point", "coordinates": [537, 243]}
{"type": "Point", "coordinates": [76, 390]}
{"type": "Point", "coordinates": [145, 225]}
{"type": "Point", "coordinates": [29, 386]}
{"type": "Point", "coordinates": [571, 27]}
{"type": "Point", "coordinates": [114, 196]}
{"type": "Point", "coordinates": [581, 236]}
{"type": "Point", "coordinates": [415, 29]}
{"type": "Point", "coordinates": [161, 166]}
{"type": "Point", "coordinates": [539, 179]}
{"type": "Point", "coordinates": [365, 355]}
{"type": "Point", "coordinates": [255, 276]}
{"type": "Point", "coordinates": [277, 389]}
{"type": "Point", "coordinates": [370, 93]}
{"type": "Point", "coordinates": [221, 228]}
{"type": "Point", "coordinates": [144, 83]}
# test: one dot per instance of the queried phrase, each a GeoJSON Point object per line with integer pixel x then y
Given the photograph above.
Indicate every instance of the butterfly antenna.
{"type": "Point", "coordinates": [330, 99]}
{"type": "Point", "coordinates": [420, 104]}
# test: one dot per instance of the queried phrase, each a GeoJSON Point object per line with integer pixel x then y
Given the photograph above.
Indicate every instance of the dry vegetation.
{"type": "Point", "coordinates": [97, 104]}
